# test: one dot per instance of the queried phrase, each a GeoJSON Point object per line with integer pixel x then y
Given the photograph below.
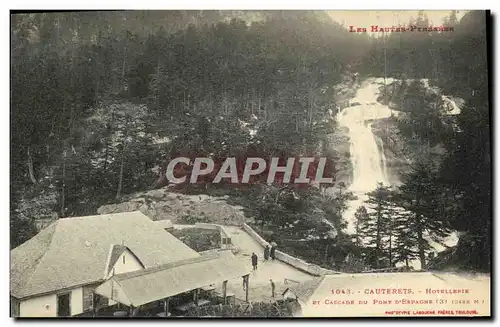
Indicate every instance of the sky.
{"type": "Point", "coordinates": [388, 18]}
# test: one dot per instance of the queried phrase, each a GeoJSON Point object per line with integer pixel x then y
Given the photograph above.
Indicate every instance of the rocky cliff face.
{"type": "Point", "coordinates": [394, 148]}
{"type": "Point", "coordinates": [400, 153]}
{"type": "Point", "coordinates": [163, 204]}
{"type": "Point", "coordinates": [339, 142]}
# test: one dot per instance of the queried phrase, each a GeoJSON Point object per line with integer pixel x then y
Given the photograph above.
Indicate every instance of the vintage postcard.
{"type": "Point", "coordinates": [174, 164]}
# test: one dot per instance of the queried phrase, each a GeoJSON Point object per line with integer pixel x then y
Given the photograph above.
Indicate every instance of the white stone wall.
{"type": "Point", "coordinates": [46, 305]}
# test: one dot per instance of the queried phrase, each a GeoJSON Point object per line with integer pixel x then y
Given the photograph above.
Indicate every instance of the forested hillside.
{"type": "Point", "coordinates": [101, 101]}
{"type": "Point", "coordinates": [101, 98]}
{"type": "Point", "coordinates": [451, 186]}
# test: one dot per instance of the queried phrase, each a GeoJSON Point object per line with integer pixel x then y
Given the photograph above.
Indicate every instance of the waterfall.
{"type": "Point", "coordinates": [367, 157]}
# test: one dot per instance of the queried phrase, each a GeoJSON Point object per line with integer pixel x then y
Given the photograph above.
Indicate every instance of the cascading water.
{"type": "Point", "coordinates": [367, 158]}
{"type": "Point", "coordinates": [367, 155]}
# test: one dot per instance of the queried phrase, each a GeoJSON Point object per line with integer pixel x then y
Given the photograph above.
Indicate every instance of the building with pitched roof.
{"type": "Point", "coordinates": [57, 272]}
{"type": "Point", "coordinates": [141, 287]}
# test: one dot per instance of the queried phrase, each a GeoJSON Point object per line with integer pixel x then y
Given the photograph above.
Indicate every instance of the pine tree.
{"type": "Point", "coordinates": [420, 195]}
{"type": "Point", "coordinates": [405, 243]}
{"type": "Point", "coordinates": [361, 220]}
{"type": "Point", "coordinates": [375, 227]}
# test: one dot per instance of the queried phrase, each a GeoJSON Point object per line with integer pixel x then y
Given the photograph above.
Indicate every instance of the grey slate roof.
{"type": "Point", "coordinates": [145, 286]}
{"type": "Point", "coordinates": [75, 251]}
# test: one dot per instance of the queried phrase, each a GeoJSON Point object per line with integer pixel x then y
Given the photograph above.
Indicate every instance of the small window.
{"type": "Point", "coordinates": [123, 259]}
{"type": "Point", "coordinates": [63, 303]}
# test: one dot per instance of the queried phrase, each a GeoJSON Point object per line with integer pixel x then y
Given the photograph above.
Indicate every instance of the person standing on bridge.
{"type": "Point", "coordinates": [272, 288]}
{"type": "Point", "coordinates": [266, 253]}
{"type": "Point", "coordinates": [254, 261]}
{"type": "Point", "coordinates": [273, 251]}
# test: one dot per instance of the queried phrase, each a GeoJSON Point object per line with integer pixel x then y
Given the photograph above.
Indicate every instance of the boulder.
{"type": "Point", "coordinates": [119, 207]}
{"type": "Point", "coordinates": [162, 204]}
